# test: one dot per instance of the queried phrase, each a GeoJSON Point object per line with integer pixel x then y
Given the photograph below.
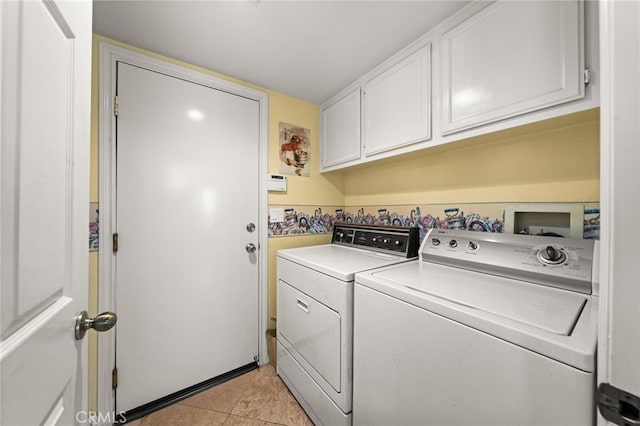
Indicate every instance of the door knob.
{"type": "Point", "coordinates": [250, 248]}
{"type": "Point", "coordinates": [103, 322]}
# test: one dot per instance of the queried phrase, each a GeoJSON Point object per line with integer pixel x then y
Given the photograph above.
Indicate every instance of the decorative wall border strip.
{"type": "Point", "coordinates": [306, 220]}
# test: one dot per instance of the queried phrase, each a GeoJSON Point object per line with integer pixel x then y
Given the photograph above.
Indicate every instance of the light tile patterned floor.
{"type": "Point", "coordinates": [255, 398]}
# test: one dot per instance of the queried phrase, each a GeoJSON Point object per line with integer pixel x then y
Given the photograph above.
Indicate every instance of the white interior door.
{"type": "Point", "coordinates": [619, 333]}
{"type": "Point", "coordinates": [46, 74]}
{"type": "Point", "coordinates": [187, 187]}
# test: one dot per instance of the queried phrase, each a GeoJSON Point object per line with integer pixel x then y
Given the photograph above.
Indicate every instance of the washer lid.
{"type": "Point", "coordinates": [338, 261]}
{"type": "Point", "coordinates": [549, 309]}
{"type": "Point", "coordinates": [555, 323]}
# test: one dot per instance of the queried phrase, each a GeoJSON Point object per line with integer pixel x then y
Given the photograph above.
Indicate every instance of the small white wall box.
{"type": "Point", "coordinates": [566, 219]}
{"type": "Point", "coordinates": [277, 182]}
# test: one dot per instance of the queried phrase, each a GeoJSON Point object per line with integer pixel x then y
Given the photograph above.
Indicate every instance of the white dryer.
{"type": "Point", "coordinates": [486, 329]}
{"type": "Point", "coordinates": [315, 312]}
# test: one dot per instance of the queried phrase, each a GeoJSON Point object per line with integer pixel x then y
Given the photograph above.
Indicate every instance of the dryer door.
{"type": "Point", "coordinates": [312, 329]}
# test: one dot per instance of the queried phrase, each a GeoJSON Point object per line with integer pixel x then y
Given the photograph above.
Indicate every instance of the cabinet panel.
{"type": "Point", "coordinates": [511, 58]}
{"type": "Point", "coordinates": [340, 133]}
{"type": "Point", "coordinates": [397, 105]}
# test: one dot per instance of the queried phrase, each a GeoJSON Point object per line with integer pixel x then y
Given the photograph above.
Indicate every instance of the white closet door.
{"type": "Point", "coordinates": [187, 187]}
{"type": "Point", "coordinates": [45, 64]}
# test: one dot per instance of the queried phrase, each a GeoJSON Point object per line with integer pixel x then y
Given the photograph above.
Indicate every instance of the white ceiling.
{"type": "Point", "coordinates": [305, 49]}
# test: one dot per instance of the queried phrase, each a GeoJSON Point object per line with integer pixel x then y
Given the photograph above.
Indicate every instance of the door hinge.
{"type": "Point", "coordinates": [256, 358]}
{"type": "Point", "coordinates": [114, 242]}
{"type": "Point", "coordinates": [587, 76]}
{"type": "Point", "coordinates": [116, 106]}
{"type": "Point", "coordinates": [618, 406]}
{"type": "Point", "coordinates": [114, 379]}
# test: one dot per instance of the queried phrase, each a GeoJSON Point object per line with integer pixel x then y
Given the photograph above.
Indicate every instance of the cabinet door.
{"type": "Point", "coordinates": [397, 105]}
{"type": "Point", "coordinates": [340, 135]}
{"type": "Point", "coordinates": [511, 58]}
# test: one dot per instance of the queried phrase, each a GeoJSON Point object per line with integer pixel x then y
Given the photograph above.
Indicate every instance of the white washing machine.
{"type": "Point", "coordinates": [486, 329]}
{"type": "Point", "coordinates": [315, 313]}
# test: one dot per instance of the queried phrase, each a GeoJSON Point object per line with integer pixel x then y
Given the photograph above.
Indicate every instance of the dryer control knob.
{"type": "Point", "coordinates": [453, 243]}
{"type": "Point", "coordinates": [435, 241]}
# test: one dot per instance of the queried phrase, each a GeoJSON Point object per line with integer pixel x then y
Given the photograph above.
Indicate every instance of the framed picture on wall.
{"type": "Point", "coordinates": [295, 150]}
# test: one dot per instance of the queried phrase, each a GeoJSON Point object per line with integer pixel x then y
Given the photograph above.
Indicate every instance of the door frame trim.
{"type": "Point", "coordinates": [109, 55]}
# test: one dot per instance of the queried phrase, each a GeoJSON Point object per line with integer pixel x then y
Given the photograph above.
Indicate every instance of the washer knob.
{"type": "Point", "coordinates": [472, 245]}
{"type": "Point", "coordinates": [398, 243]}
{"type": "Point", "coordinates": [552, 256]}
{"type": "Point", "coordinates": [453, 243]}
{"type": "Point", "coordinates": [435, 241]}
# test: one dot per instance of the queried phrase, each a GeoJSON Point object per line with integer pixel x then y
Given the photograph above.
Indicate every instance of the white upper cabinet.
{"type": "Point", "coordinates": [489, 67]}
{"type": "Point", "coordinates": [340, 130]}
{"type": "Point", "coordinates": [397, 104]}
{"type": "Point", "coordinates": [511, 58]}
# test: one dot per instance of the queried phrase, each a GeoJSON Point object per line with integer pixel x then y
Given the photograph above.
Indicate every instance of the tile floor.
{"type": "Point", "coordinates": [256, 398]}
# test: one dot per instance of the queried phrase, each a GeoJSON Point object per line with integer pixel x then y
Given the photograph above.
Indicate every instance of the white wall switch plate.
{"type": "Point", "coordinates": [276, 215]}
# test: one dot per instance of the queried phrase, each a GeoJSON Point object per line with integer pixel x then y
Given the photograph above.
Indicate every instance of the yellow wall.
{"type": "Point", "coordinates": [313, 191]}
{"type": "Point", "coordinates": [552, 161]}
{"type": "Point", "coordinates": [316, 190]}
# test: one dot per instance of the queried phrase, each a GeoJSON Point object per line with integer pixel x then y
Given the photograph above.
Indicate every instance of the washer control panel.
{"type": "Point", "coordinates": [387, 239]}
{"type": "Point", "coordinates": [559, 262]}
